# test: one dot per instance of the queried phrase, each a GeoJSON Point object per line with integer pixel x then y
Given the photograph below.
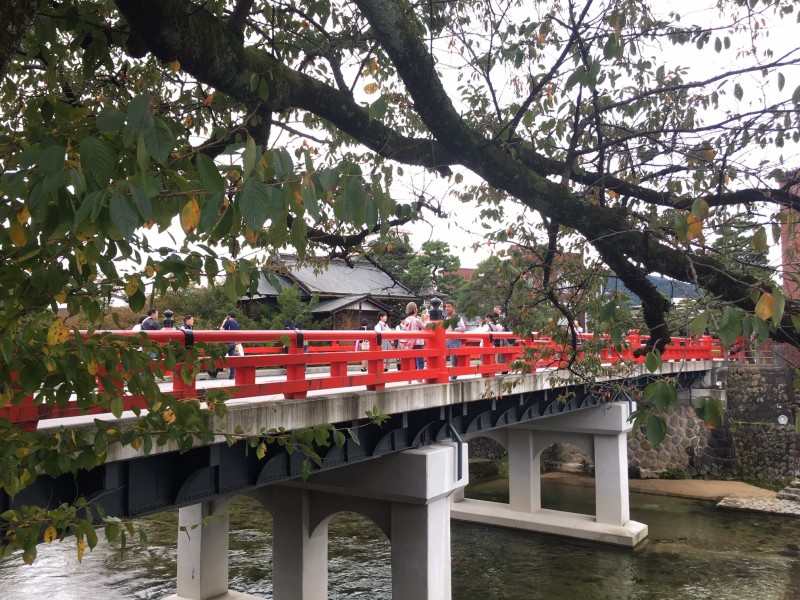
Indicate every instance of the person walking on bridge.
{"type": "Point", "coordinates": [382, 326]}
{"type": "Point", "coordinates": [456, 324]}
{"type": "Point", "coordinates": [231, 324]}
{"type": "Point", "coordinates": [413, 323]}
{"type": "Point", "coordinates": [188, 325]}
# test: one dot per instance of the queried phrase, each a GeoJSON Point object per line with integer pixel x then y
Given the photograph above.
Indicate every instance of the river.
{"type": "Point", "coordinates": [694, 551]}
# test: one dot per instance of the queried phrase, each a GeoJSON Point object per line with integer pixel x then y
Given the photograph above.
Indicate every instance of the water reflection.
{"type": "Point", "coordinates": [693, 552]}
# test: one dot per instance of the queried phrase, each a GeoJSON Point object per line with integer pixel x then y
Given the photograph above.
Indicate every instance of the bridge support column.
{"type": "Point", "coordinates": [405, 494]}
{"type": "Point", "coordinates": [299, 550]}
{"type": "Point", "coordinates": [612, 503]}
{"type": "Point", "coordinates": [203, 554]}
{"type": "Point", "coordinates": [600, 432]}
{"type": "Point", "coordinates": [524, 481]}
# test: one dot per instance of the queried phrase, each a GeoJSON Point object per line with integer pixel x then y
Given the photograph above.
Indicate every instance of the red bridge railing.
{"type": "Point", "coordinates": [305, 361]}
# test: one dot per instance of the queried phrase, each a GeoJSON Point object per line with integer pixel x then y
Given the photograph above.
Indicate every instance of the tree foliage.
{"type": "Point", "coordinates": [256, 127]}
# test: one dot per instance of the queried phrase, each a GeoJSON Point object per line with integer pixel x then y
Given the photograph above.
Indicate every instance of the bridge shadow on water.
{"type": "Point", "coordinates": [694, 551]}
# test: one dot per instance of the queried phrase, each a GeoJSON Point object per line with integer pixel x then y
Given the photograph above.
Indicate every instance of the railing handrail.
{"type": "Point", "coordinates": [478, 355]}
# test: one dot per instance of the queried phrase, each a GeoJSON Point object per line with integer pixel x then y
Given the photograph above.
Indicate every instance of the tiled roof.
{"type": "Point", "coordinates": [339, 279]}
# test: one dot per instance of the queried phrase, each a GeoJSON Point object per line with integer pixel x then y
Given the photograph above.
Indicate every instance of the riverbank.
{"type": "Point", "coordinates": [734, 495]}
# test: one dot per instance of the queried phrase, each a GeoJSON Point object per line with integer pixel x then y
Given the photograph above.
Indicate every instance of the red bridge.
{"type": "Point", "coordinates": [300, 362]}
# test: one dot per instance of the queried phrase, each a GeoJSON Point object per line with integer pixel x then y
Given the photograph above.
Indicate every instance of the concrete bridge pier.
{"type": "Point", "coordinates": [203, 554]}
{"type": "Point", "coordinates": [405, 494]}
{"type": "Point", "coordinates": [600, 432]}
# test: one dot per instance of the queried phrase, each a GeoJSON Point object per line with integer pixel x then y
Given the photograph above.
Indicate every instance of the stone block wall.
{"type": "Point", "coordinates": [759, 393]}
{"type": "Point", "coordinates": [681, 451]}
{"type": "Point", "coordinates": [767, 452]}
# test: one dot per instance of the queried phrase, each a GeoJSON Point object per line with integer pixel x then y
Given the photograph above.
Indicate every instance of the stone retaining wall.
{"type": "Point", "coordinates": [767, 452]}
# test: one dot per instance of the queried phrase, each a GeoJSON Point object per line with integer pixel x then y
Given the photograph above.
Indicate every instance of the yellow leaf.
{"type": "Point", "coordinates": [132, 286]}
{"type": "Point", "coordinates": [187, 122]}
{"type": "Point", "coordinates": [371, 88]}
{"type": "Point", "coordinates": [169, 416]}
{"type": "Point", "coordinates": [190, 216]}
{"type": "Point", "coordinates": [695, 227]}
{"type": "Point", "coordinates": [710, 154]}
{"type": "Point", "coordinates": [18, 234]}
{"type": "Point", "coordinates": [373, 66]}
{"type": "Point", "coordinates": [23, 215]}
{"type": "Point", "coordinates": [80, 260]}
{"type": "Point", "coordinates": [91, 367]}
{"type": "Point", "coordinates": [251, 236]}
{"type": "Point", "coordinates": [81, 549]}
{"type": "Point", "coordinates": [50, 534]}
{"type": "Point", "coordinates": [230, 267]}
{"type": "Point", "coordinates": [136, 443]}
{"type": "Point", "coordinates": [209, 99]}
{"type": "Point", "coordinates": [60, 297]}
{"type": "Point", "coordinates": [149, 270]}
{"type": "Point", "coordinates": [764, 307]}
{"type": "Point", "coordinates": [58, 332]}
{"type": "Point", "coordinates": [175, 66]}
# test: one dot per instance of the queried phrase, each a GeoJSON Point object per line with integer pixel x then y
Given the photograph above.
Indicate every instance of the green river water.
{"type": "Point", "coordinates": [694, 551]}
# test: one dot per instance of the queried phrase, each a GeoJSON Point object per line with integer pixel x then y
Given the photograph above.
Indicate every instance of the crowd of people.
{"type": "Point", "coordinates": [414, 320]}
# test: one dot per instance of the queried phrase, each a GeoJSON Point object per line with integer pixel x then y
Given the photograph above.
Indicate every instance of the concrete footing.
{"type": "Point", "coordinates": [553, 522]}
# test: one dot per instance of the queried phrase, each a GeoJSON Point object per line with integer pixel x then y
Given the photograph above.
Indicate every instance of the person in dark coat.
{"type": "Point", "coordinates": [231, 324]}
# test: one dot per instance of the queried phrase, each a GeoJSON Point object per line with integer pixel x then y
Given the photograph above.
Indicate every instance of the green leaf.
{"type": "Point", "coordinates": [139, 116]}
{"type": "Point", "coordinates": [123, 214]}
{"type": "Point", "coordinates": [141, 201]}
{"type": "Point", "coordinates": [117, 406]}
{"type": "Point", "coordinates": [110, 120]}
{"type": "Point", "coordinates": [97, 162]}
{"type": "Point", "coordinates": [159, 141]}
{"type": "Point", "coordinates": [52, 160]}
{"type": "Point", "coordinates": [656, 430]}
{"type": "Point", "coordinates": [310, 201]}
{"type": "Point", "coordinates": [698, 324]}
{"type": "Point", "coordinates": [653, 361]}
{"type": "Point", "coordinates": [709, 409]}
{"type": "Point", "coordinates": [781, 82]}
{"type": "Point", "coordinates": [700, 208]}
{"type": "Point", "coordinates": [298, 236]}
{"type": "Point", "coordinates": [730, 326]}
{"type": "Point", "coordinates": [252, 201]}
{"type": "Point", "coordinates": [353, 435]}
{"type": "Point", "coordinates": [759, 240]}
{"type": "Point", "coordinates": [778, 305]}
{"type": "Point", "coordinates": [796, 96]}
{"type": "Point", "coordinates": [208, 174]}
{"type": "Point", "coordinates": [250, 157]}
{"type": "Point", "coordinates": [377, 109]}
{"type": "Point", "coordinates": [663, 394]}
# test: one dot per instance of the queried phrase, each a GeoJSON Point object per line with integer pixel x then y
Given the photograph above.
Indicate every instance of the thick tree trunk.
{"type": "Point", "coordinates": [15, 18]}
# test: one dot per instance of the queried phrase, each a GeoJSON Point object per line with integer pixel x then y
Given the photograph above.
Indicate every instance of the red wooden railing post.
{"type": "Point", "coordinates": [296, 370]}
{"type": "Point", "coordinates": [375, 363]}
{"type": "Point", "coordinates": [180, 388]}
{"type": "Point", "coordinates": [438, 362]}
